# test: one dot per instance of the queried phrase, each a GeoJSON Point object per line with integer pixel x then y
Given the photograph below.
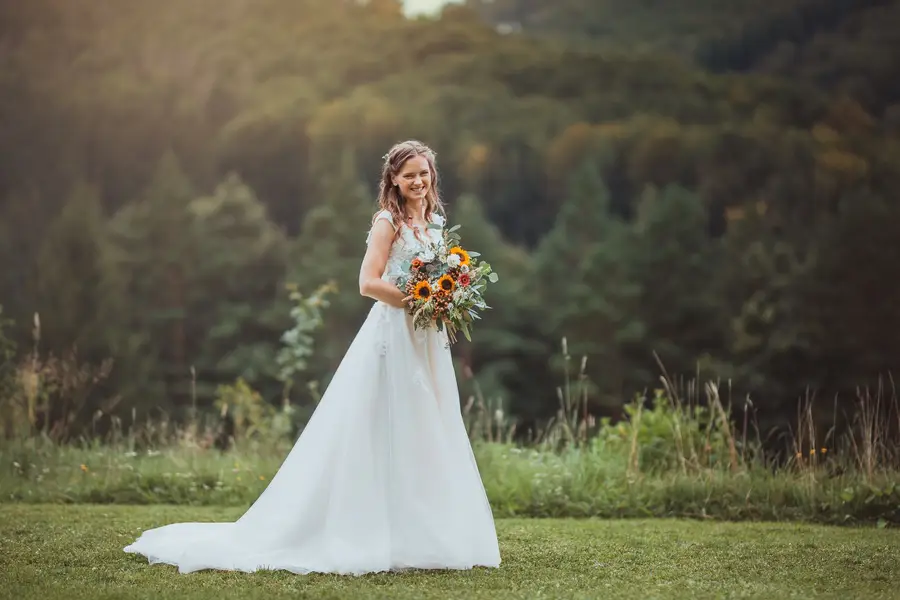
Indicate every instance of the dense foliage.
{"type": "Point", "coordinates": [712, 187]}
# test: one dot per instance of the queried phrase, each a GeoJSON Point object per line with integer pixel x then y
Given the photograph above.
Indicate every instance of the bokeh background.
{"type": "Point", "coordinates": [700, 191]}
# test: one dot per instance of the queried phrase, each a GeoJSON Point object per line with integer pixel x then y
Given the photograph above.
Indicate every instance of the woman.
{"type": "Point", "coordinates": [383, 476]}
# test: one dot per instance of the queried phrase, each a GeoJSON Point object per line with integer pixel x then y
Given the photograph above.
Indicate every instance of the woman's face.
{"type": "Point", "coordinates": [414, 178]}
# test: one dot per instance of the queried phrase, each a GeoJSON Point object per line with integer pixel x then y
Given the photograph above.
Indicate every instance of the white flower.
{"type": "Point", "coordinates": [464, 268]}
{"type": "Point", "coordinates": [453, 260]}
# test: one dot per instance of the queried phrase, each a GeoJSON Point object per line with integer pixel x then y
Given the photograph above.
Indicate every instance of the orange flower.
{"type": "Point", "coordinates": [417, 263]}
{"type": "Point", "coordinates": [462, 254]}
{"type": "Point", "coordinates": [423, 290]}
{"type": "Point", "coordinates": [446, 284]}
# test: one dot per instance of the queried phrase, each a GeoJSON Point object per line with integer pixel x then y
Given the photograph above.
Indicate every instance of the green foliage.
{"type": "Point", "coordinates": [675, 263]}
{"type": "Point", "coordinates": [146, 306]}
{"type": "Point", "coordinates": [253, 417]}
{"type": "Point", "coordinates": [656, 205]}
{"type": "Point", "coordinates": [71, 271]}
{"type": "Point", "coordinates": [524, 482]}
{"type": "Point", "coordinates": [233, 297]}
{"type": "Point", "coordinates": [665, 436]}
{"type": "Point", "coordinates": [8, 381]}
{"type": "Point", "coordinates": [329, 249]}
{"type": "Point", "coordinates": [297, 342]}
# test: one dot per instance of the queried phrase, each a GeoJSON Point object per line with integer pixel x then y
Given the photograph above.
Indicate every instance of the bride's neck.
{"type": "Point", "coordinates": [414, 210]}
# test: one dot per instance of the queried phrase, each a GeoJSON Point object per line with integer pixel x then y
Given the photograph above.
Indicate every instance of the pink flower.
{"type": "Point", "coordinates": [464, 280]}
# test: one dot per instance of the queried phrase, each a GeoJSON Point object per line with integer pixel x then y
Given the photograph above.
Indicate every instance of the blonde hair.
{"type": "Point", "coordinates": [389, 196]}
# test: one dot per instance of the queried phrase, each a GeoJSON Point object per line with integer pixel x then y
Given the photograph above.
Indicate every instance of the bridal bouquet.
{"type": "Point", "coordinates": [447, 284]}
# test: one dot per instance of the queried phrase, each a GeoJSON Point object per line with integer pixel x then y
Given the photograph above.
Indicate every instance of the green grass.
{"type": "Point", "coordinates": [51, 552]}
{"type": "Point", "coordinates": [519, 483]}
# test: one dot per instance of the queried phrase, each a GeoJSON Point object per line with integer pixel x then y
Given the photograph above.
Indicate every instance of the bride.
{"type": "Point", "coordinates": [383, 476]}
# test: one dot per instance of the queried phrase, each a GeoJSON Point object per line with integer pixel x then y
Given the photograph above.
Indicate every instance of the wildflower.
{"type": "Point", "coordinates": [84, 468]}
{"type": "Point", "coordinates": [262, 477]}
{"type": "Point", "coordinates": [824, 450]}
{"type": "Point", "coordinates": [812, 451]}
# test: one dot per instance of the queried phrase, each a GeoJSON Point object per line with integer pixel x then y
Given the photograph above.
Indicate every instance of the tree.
{"type": "Point", "coordinates": [585, 292]}
{"type": "Point", "coordinates": [151, 267]}
{"type": "Point", "coordinates": [71, 271]}
{"type": "Point", "coordinates": [850, 295]}
{"type": "Point", "coordinates": [675, 263]}
{"type": "Point", "coordinates": [330, 247]}
{"type": "Point", "coordinates": [507, 338]}
{"type": "Point", "coordinates": [236, 306]}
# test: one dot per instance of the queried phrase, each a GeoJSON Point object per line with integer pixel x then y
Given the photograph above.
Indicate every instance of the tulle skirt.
{"type": "Point", "coordinates": [382, 477]}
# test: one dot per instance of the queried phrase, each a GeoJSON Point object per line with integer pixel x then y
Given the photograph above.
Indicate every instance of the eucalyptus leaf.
{"type": "Point", "coordinates": [454, 228]}
{"type": "Point", "coordinates": [493, 277]}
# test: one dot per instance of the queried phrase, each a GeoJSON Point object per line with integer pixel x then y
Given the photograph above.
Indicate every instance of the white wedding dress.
{"type": "Point", "coordinates": [382, 477]}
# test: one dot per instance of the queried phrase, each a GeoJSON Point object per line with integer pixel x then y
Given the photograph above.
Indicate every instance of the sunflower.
{"type": "Point", "coordinates": [446, 284]}
{"type": "Point", "coordinates": [462, 254]}
{"type": "Point", "coordinates": [423, 290]}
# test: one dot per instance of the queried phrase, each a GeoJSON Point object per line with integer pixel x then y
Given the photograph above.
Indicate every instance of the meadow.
{"type": "Point", "coordinates": [51, 552]}
{"type": "Point", "coordinates": [677, 500]}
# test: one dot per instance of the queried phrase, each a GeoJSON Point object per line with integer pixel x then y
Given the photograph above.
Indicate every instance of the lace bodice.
{"type": "Point", "coordinates": [407, 244]}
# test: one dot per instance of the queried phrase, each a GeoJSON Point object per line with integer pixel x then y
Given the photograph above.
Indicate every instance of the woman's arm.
{"type": "Point", "coordinates": [371, 284]}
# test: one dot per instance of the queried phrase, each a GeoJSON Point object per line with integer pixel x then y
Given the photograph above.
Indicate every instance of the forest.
{"type": "Point", "coordinates": [706, 191]}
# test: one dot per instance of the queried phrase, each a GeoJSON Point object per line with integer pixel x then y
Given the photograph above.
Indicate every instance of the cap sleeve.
{"type": "Point", "coordinates": [384, 215]}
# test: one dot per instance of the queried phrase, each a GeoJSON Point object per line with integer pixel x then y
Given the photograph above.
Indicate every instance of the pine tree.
{"type": "Point", "coordinates": [851, 311]}
{"type": "Point", "coordinates": [586, 296]}
{"type": "Point", "coordinates": [237, 308]}
{"type": "Point", "coordinates": [330, 247]}
{"type": "Point", "coordinates": [676, 264]}
{"type": "Point", "coordinates": [152, 264]}
{"type": "Point", "coordinates": [505, 339]}
{"type": "Point", "coordinates": [70, 274]}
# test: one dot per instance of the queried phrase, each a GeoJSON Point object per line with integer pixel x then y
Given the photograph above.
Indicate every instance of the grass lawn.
{"type": "Point", "coordinates": [74, 552]}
